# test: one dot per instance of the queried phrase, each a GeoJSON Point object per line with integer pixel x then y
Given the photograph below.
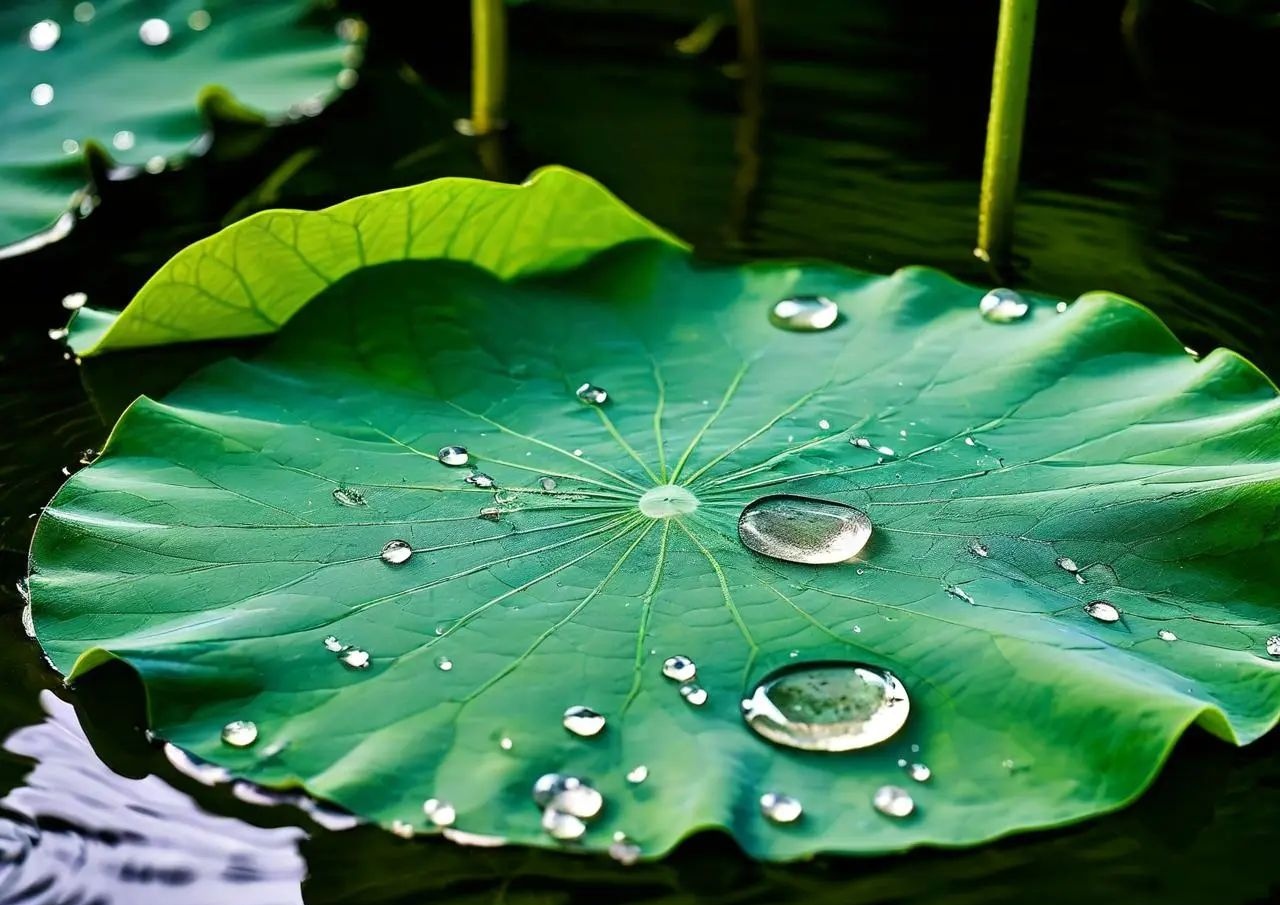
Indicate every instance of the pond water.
{"type": "Point", "coordinates": [847, 131]}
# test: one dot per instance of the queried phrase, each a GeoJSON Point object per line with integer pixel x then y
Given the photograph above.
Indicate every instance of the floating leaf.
{"type": "Point", "coordinates": [137, 79]}
{"type": "Point", "coordinates": [205, 547]}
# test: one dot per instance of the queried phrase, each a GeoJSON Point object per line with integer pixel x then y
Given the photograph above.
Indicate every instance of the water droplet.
{"type": "Point", "coordinates": [1102, 610]}
{"type": "Point", "coordinates": [240, 733]}
{"type": "Point", "coordinates": [1067, 564]}
{"type": "Point", "coordinates": [199, 20]}
{"type": "Point", "coordinates": [355, 658]}
{"type": "Point", "coordinates": [439, 812]}
{"type": "Point", "coordinates": [28, 621]}
{"type": "Point", "coordinates": [42, 94]}
{"type": "Point", "coordinates": [333, 644]}
{"type": "Point", "coordinates": [583, 721]}
{"type": "Point", "coordinates": [805, 313]}
{"type": "Point", "coordinates": [679, 668]}
{"type": "Point", "coordinates": [480, 479]}
{"type": "Point", "coordinates": [402, 829]}
{"type": "Point", "coordinates": [1003, 306]}
{"type": "Point", "coordinates": [155, 164]}
{"type": "Point", "coordinates": [578, 453]}
{"type": "Point", "coordinates": [453, 455]}
{"type": "Point", "coordinates": [667, 501]}
{"type": "Point", "coordinates": [857, 630]}
{"type": "Point", "coordinates": [1061, 307]}
{"type": "Point", "coordinates": [70, 146]}
{"type": "Point", "coordinates": [444, 664]}
{"type": "Point", "coordinates": [348, 496]}
{"type": "Point", "coordinates": [828, 707]}
{"type": "Point", "coordinates": [123, 140]}
{"type": "Point", "coordinates": [1273, 646]}
{"type": "Point", "coordinates": [780, 808]}
{"type": "Point", "coordinates": [804, 530]}
{"type": "Point", "coordinates": [864, 443]}
{"type": "Point", "coordinates": [693, 693]}
{"type": "Point", "coordinates": [506, 744]}
{"type": "Point", "coordinates": [154, 32]}
{"type": "Point", "coordinates": [478, 840]}
{"type": "Point", "coordinates": [919, 772]}
{"type": "Point", "coordinates": [58, 333]}
{"type": "Point", "coordinates": [959, 593]}
{"type": "Point", "coordinates": [75, 300]}
{"type": "Point", "coordinates": [623, 850]}
{"type": "Point", "coordinates": [592, 394]}
{"type": "Point", "coordinates": [638, 774]}
{"type": "Point", "coordinates": [893, 801]}
{"type": "Point", "coordinates": [546, 483]}
{"type": "Point", "coordinates": [396, 552]}
{"type": "Point", "coordinates": [83, 12]}
{"type": "Point", "coordinates": [559, 825]}
{"type": "Point", "coordinates": [491, 514]}
{"type": "Point", "coordinates": [44, 34]}
{"type": "Point", "coordinates": [1165, 635]}
{"type": "Point", "coordinates": [824, 424]}
{"type": "Point", "coordinates": [979, 549]}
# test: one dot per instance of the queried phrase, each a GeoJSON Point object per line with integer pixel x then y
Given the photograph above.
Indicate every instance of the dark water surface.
{"type": "Point", "coordinates": [850, 131]}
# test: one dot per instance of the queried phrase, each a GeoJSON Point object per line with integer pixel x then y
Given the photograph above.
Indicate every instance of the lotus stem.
{"type": "Point", "coordinates": [488, 65]}
{"type": "Point", "coordinates": [1005, 122]}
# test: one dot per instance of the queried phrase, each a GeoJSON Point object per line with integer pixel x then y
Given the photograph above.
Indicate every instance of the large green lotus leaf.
{"type": "Point", "coordinates": [206, 547]}
{"type": "Point", "coordinates": [101, 82]}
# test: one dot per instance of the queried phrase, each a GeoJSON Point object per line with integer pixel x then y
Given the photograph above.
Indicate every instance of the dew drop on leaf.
{"type": "Point", "coordinates": [1003, 306]}
{"type": "Point", "coordinates": [1102, 610]}
{"type": "Point", "coordinates": [154, 32]}
{"type": "Point", "coordinates": [1165, 635]}
{"type": "Point", "coordinates": [592, 394]}
{"type": "Point", "coordinates": [491, 514]}
{"type": "Point", "coordinates": [803, 530]}
{"type": "Point", "coordinates": [828, 707]}
{"type": "Point", "coordinates": [332, 643]}
{"type": "Point", "coordinates": [959, 593]}
{"type": "Point", "coordinates": [355, 658]}
{"type": "Point", "coordinates": [977, 548]}
{"type": "Point", "coordinates": [1273, 646]}
{"type": "Point", "coordinates": [348, 496]}
{"type": "Point", "coordinates": [402, 829]}
{"type": "Point", "coordinates": [240, 733]}
{"type": "Point", "coordinates": [44, 34]}
{"type": "Point", "coordinates": [396, 552]}
{"type": "Point", "coordinates": [583, 721]}
{"type": "Point", "coordinates": [439, 812]}
{"type": "Point", "coordinates": [679, 668]}
{"type": "Point", "coordinates": [805, 313]}
{"type": "Point", "coordinates": [444, 664]}
{"type": "Point", "coordinates": [74, 301]}
{"type": "Point", "coordinates": [453, 456]}
{"type": "Point", "coordinates": [893, 801]}
{"type": "Point", "coordinates": [693, 693]}
{"type": "Point", "coordinates": [919, 772]}
{"type": "Point", "coordinates": [780, 808]}
{"type": "Point", "coordinates": [480, 479]}
{"type": "Point", "coordinates": [638, 774]}
{"type": "Point", "coordinates": [547, 483]}
{"type": "Point", "coordinates": [559, 825]}
{"type": "Point", "coordinates": [83, 12]}
{"type": "Point", "coordinates": [1067, 564]}
{"type": "Point", "coordinates": [623, 850]}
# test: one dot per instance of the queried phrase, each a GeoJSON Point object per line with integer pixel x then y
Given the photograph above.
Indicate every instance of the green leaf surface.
{"type": "Point", "coordinates": [206, 547]}
{"type": "Point", "coordinates": [145, 104]}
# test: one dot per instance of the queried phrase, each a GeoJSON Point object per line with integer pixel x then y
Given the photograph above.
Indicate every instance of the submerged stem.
{"type": "Point", "coordinates": [488, 65]}
{"type": "Point", "coordinates": [1009, 79]}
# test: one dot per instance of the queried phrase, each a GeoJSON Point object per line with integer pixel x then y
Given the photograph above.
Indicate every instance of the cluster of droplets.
{"type": "Point", "coordinates": [684, 671]}
{"type": "Point", "coordinates": [348, 655]}
{"type": "Point", "coordinates": [568, 804]}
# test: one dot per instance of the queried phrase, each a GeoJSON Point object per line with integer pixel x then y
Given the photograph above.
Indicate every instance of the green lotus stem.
{"type": "Point", "coordinates": [488, 65]}
{"type": "Point", "coordinates": [1009, 80]}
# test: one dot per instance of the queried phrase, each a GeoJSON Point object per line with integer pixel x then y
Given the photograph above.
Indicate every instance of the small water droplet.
{"type": "Point", "coordinates": [693, 693]}
{"type": "Point", "coordinates": [578, 453]}
{"type": "Point", "coordinates": [240, 733]}
{"type": "Point", "coordinates": [679, 668]}
{"type": "Point", "coordinates": [491, 514]}
{"type": "Point", "coordinates": [804, 530]}
{"type": "Point", "coordinates": [348, 496]}
{"type": "Point", "coordinates": [83, 12]}
{"type": "Point", "coordinates": [1003, 306]}
{"type": "Point", "coordinates": [332, 643]}
{"type": "Point", "coordinates": [583, 721]}
{"type": "Point", "coordinates": [919, 772]}
{"type": "Point", "coordinates": [780, 808]}
{"type": "Point", "coordinates": [42, 94]}
{"type": "Point", "coordinates": [559, 825]}
{"type": "Point", "coordinates": [1273, 646]}
{"type": "Point", "coordinates": [199, 20]}
{"type": "Point", "coordinates": [1165, 635]}
{"type": "Point", "coordinates": [44, 34]}
{"type": "Point", "coordinates": [444, 664]}
{"type": "Point", "coordinates": [959, 593]}
{"type": "Point", "coordinates": [58, 333]}
{"type": "Point", "coordinates": [439, 812]}
{"type": "Point", "coordinates": [828, 707]}
{"type": "Point", "coordinates": [857, 630]}
{"type": "Point", "coordinates": [123, 140]}
{"type": "Point", "coordinates": [624, 851]}
{"type": "Point", "coordinates": [506, 744]}
{"type": "Point", "coordinates": [1102, 610]}
{"type": "Point", "coordinates": [547, 483]}
{"type": "Point", "coordinates": [638, 774]}
{"type": "Point", "coordinates": [155, 164]}
{"type": "Point", "coordinates": [824, 424]}
{"type": "Point", "coordinates": [396, 552]}
{"type": "Point", "coordinates": [70, 146]}
{"type": "Point", "coordinates": [592, 394]}
{"type": "Point", "coordinates": [804, 313]}
{"type": "Point", "coordinates": [1061, 307]}
{"type": "Point", "coordinates": [480, 479]}
{"type": "Point", "coordinates": [1067, 564]}
{"type": "Point", "coordinates": [154, 32]}
{"type": "Point", "coordinates": [355, 658]}
{"type": "Point", "coordinates": [893, 801]}
{"type": "Point", "coordinates": [75, 300]}
{"type": "Point", "coordinates": [402, 829]}
{"type": "Point", "coordinates": [453, 455]}
{"type": "Point", "coordinates": [1008, 764]}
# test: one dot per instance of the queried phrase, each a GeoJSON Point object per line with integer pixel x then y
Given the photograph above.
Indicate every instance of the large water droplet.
{"type": "Point", "coordinates": [1067, 564]}
{"type": "Point", "coordinates": [1273, 645]}
{"type": "Point", "coordinates": [583, 721]}
{"type": "Point", "coordinates": [355, 658]}
{"type": "Point", "coordinates": [567, 794]}
{"type": "Point", "coordinates": [1165, 635]}
{"type": "Point", "coordinates": [547, 483]}
{"type": "Point", "coordinates": [199, 20]}
{"type": "Point", "coordinates": [453, 455]}
{"type": "Point", "coordinates": [693, 693]}
{"type": "Point", "coordinates": [780, 808]}
{"type": "Point", "coordinates": [804, 313]}
{"type": "Point", "coordinates": [42, 94]}
{"type": "Point", "coordinates": [240, 733]}
{"type": "Point", "coordinates": [1102, 610]}
{"type": "Point", "coordinates": [1003, 306]}
{"type": "Point", "coordinates": [592, 394]}
{"type": "Point", "coordinates": [893, 801]}
{"type": "Point", "coordinates": [44, 34]}
{"type": "Point", "coordinates": [480, 479]}
{"type": "Point", "coordinates": [559, 825]}
{"type": "Point", "coordinates": [804, 530]}
{"type": "Point", "coordinates": [348, 496]}
{"type": "Point", "coordinates": [123, 140]}
{"type": "Point", "coordinates": [829, 707]}
{"type": "Point", "coordinates": [679, 668]}
{"type": "Point", "coordinates": [667, 501]}
{"type": "Point", "coordinates": [396, 552]}
{"type": "Point", "coordinates": [154, 32]}
{"type": "Point", "coordinates": [74, 301]}
{"type": "Point", "coordinates": [439, 812]}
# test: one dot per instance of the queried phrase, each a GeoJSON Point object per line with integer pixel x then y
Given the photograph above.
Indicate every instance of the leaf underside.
{"type": "Point", "coordinates": [206, 549]}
